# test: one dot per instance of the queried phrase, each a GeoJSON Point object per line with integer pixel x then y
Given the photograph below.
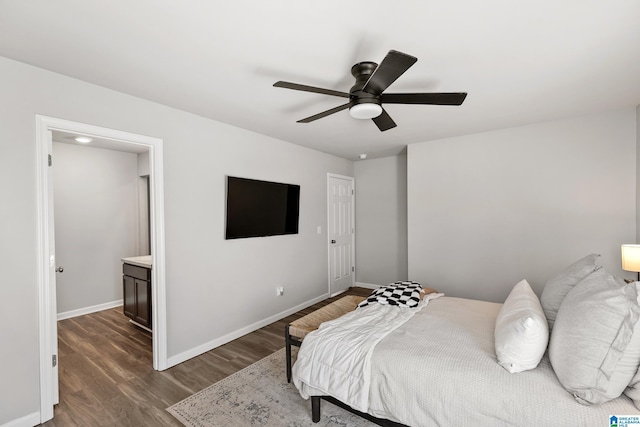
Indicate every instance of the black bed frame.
{"type": "Point", "coordinates": [315, 412]}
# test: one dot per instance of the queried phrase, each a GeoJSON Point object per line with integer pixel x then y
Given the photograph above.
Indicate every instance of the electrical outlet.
{"type": "Point", "coordinates": [280, 291]}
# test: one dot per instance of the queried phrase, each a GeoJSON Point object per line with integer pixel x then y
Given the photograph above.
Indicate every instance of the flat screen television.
{"type": "Point", "coordinates": [261, 208]}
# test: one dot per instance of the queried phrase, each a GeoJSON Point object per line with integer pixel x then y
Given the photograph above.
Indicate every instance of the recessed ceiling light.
{"type": "Point", "coordinates": [363, 156]}
{"type": "Point", "coordinates": [83, 139]}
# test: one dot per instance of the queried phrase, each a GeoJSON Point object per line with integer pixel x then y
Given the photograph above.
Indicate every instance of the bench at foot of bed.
{"type": "Point", "coordinates": [298, 329]}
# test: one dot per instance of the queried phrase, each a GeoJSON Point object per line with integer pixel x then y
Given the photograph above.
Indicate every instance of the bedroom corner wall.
{"type": "Point", "coordinates": [487, 210]}
{"type": "Point", "coordinates": [381, 220]}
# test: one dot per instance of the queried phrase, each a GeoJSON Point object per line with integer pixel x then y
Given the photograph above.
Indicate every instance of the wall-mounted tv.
{"type": "Point", "coordinates": [261, 208]}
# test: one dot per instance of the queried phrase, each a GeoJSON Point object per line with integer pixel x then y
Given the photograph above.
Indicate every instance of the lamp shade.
{"type": "Point", "coordinates": [631, 257]}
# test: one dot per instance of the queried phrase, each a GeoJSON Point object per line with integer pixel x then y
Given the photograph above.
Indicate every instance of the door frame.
{"type": "Point", "coordinates": [47, 321]}
{"type": "Point", "coordinates": [353, 222]}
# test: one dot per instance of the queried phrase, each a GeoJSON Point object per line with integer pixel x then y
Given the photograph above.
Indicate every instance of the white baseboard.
{"type": "Point", "coordinates": [367, 285]}
{"type": "Point", "coordinates": [197, 351]}
{"type": "Point", "coordinates": [26, 421]}
{"type": "Point", "coordinates": [88, 310]}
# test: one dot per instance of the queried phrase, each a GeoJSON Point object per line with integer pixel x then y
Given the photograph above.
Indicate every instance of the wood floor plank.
{"type": "Point", "coordinates": [107, 378]}
{"type": "Point", "coordinates": [86, 408]}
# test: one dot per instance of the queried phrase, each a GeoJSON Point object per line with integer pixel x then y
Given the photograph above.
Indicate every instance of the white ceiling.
{"type": "Point", "coordinates": [520, 61]}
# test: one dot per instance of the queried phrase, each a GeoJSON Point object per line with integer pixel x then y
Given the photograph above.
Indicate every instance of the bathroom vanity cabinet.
{"type": "Point", "coordinates": [136, 283]}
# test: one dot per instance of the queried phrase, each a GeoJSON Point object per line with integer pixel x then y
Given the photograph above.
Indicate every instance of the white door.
{"type": "Point", "coordinates": [341, 233]}
{"type": "Point", "coordinates": [53, 269]}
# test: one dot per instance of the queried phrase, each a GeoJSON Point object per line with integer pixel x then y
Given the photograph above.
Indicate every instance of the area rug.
{"type": "Point", "coordinates": [258, 395]}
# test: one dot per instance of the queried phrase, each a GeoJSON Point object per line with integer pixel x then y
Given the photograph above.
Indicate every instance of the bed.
{"type": "Point", "coordinates": [439, 367]}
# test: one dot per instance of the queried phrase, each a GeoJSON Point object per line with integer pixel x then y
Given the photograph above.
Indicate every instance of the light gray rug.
{"type": "Point", "coordinates": [258, 395]}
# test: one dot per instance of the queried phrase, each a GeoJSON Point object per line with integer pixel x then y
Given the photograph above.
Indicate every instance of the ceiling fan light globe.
{"type": "Point", "coordinates": [365, 110]}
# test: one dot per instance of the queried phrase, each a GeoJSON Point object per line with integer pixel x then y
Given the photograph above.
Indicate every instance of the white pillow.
{"type": "Point", "coordinates": [633, 351]}
{"type": "Point", "coordinates": [559, 286]}
{"type": "Point", "coordinates": [401, 294]}
{"type": "Point", "coordinates": [521, 333]}
{"type": "Point", "coordinates": [594, 348]}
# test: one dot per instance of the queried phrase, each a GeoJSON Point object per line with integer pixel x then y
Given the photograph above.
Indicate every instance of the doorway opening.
{"type": "Point", "coordinates": [110, 139]}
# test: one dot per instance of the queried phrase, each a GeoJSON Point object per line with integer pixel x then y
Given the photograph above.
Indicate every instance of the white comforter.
{"type": "Point", "coordinates": [336, 358]}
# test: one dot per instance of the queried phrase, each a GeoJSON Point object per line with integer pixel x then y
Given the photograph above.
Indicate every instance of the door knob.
{"type": "Point", "coordinates": [333, 242]}
{"type": "Point", "coordinates": [59, 269]}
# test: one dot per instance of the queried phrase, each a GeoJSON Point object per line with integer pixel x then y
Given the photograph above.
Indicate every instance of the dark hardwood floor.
{"type": "Point", "coordinates": [107, 378]}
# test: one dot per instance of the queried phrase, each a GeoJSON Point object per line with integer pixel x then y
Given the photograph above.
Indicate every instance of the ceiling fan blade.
{"type": "Point", "coordinates": [392, 66]}
{"type": "Point", "coordinates": [305, 88]}
{"type": "Point", "coordinates": [326, 113]}
{"type": "Point", "coordinates": [449, 98]}
{"type": "Point", "coordinates": [384, 121]}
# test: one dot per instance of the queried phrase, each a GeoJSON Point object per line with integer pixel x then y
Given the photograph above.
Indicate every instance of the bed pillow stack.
{"type": "Point", "coordinates": [595, 341]}
{"type": "Point", "coordinates": [521, 333]}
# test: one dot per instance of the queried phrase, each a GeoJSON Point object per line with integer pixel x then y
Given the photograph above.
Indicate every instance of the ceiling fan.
{"type": "Point", "coordinates": [366, 96]}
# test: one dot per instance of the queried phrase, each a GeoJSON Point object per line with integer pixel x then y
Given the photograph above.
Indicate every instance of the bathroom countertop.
{"type": "Point", "coordinates": [140, 261]}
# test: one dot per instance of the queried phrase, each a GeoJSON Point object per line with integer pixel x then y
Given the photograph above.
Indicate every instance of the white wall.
{"type": "Point", "coordinates": [144, 239]}
{"type": "Point", "coordinates": [202, 269]}
{"type": "Point", "coordinates": [381, 220]}
{"type": "Point", "coordinates": [143, 164]}
{"type": "Point", "coordinates": [489, 209]}
{"type": "Point", "coordinates": [96, 215]}
{"type": "Point", "coordinates": [637, 174]}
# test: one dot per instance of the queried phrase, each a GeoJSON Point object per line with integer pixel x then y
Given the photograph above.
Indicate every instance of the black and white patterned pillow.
{"type": "Point", "coordinates": [405, 294]}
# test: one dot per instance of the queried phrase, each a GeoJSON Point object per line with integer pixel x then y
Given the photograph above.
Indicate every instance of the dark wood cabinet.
{"type": "Point", "coordinates": [136, 282]}
{"type": "Point", "coordinates": [129, 296]}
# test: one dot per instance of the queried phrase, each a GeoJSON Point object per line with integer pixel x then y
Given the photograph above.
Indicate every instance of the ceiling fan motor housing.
{"type": "Point", "coordinates": [362, 71]}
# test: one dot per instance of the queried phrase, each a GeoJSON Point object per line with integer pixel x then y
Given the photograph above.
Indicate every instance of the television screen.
{"type": "Point", "coordinates": [261, 208]}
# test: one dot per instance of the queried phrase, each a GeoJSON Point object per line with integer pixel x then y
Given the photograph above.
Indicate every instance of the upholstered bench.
{"type": "Point", "coordinates": [295, 332]}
